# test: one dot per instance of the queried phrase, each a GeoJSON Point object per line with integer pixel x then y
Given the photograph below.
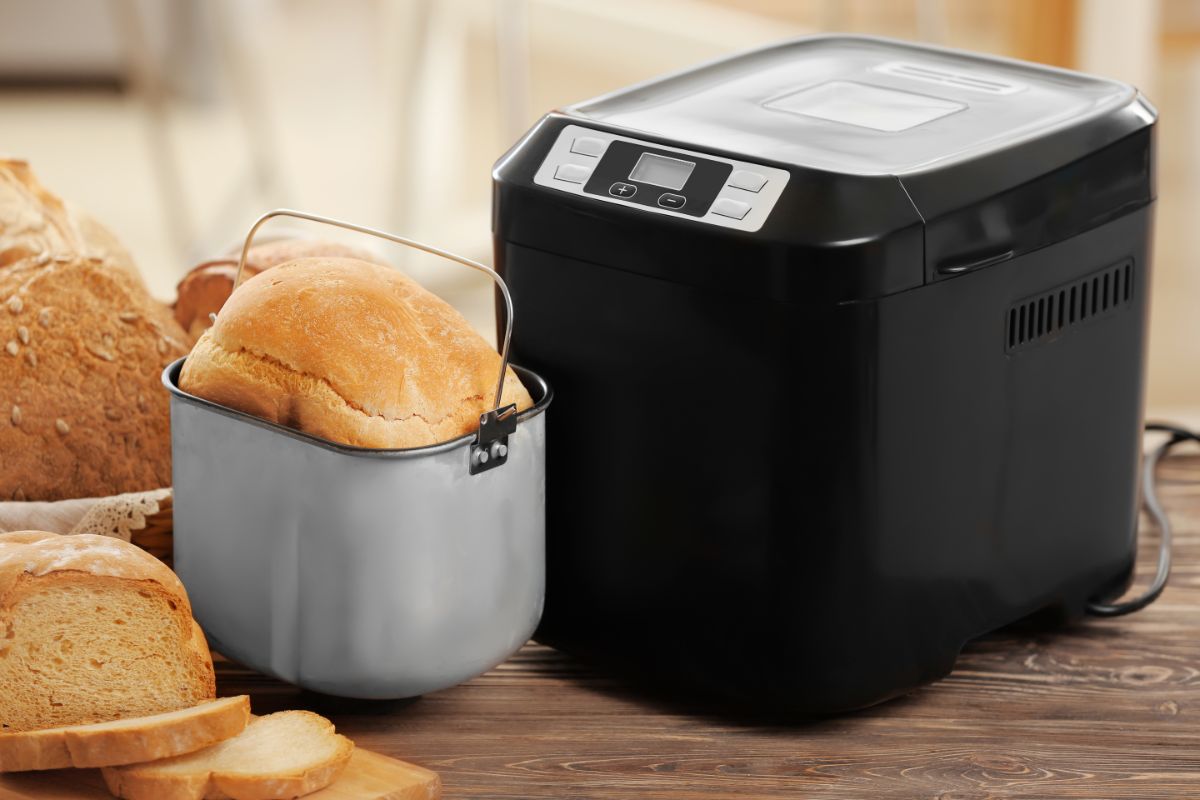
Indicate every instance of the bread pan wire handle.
{"type": "Point", "coordinates": [490, 448]}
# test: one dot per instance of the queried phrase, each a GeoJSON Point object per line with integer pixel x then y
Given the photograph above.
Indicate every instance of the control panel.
{"type": "Point", "coordinates": [661, 179]}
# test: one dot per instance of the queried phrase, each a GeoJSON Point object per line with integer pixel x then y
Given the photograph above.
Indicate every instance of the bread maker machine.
{"type": "Point", "coordinates": [847, 336]}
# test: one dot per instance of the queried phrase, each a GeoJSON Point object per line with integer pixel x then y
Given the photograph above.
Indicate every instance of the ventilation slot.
{"type": "Point", "coordinates": [945, 77]}
{"type": "Point", "coordinates": [1043, 318]}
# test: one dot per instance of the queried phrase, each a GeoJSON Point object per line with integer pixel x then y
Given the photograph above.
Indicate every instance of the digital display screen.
{"type": "Point", "coordinates": [669, 173]}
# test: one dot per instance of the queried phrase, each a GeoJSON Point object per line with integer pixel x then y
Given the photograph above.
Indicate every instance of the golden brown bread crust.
{"type": "Point", "coordinates": [203, 291]}
{"type": "Point", "coordinates": [207, 286]}
{"type": "Point", "coordinates": [82, 344]}
{"type": "Point", "coordinates": [102, 243]}
{"type": "Point", "coordinates": [128, 741]}
{"type": "Point", "coordinates": [351, 352]}
{"type": "Point", "coordinates": [272, 254]}
{"type": "Point", "coordinates": [39, 553]}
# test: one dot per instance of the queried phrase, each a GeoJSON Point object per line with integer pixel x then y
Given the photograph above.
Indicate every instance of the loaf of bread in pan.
{"type": "Point", "coordinates": [93, 629]}
{"type": "Point", "coordinates": [348, 351]}
{"type": "Point", "coordinates": [82, 346]}
{"type": "Point", "coordinates": [207, 286]}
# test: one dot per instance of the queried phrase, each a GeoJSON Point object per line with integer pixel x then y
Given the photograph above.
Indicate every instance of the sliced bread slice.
{"type": "Point", "coordinates": [93, 629]}
{"type": "Point", "coordinates": [286, 754]}
{"type": "Point", "coordinates": [125, 741]}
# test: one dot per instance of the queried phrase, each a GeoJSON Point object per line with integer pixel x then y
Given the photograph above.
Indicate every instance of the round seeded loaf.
{"type": "Point", "coordinates": [82, 346]}
{"type": "Point", "coordinates": [349, 351]}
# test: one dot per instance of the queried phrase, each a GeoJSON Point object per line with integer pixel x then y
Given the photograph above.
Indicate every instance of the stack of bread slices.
{"type": "Point", "coordinates": [103, 666]}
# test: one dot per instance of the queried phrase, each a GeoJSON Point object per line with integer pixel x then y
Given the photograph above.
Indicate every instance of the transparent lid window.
{"type": "Point", "coordinates": [859, 105]}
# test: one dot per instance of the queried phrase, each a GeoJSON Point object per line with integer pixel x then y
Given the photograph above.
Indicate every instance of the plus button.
{"type": "Point", "coordinates": [622, 189]}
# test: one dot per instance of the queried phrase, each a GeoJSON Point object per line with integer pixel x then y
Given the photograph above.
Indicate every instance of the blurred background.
{"type": "Point", "coordinates": [177, 122]}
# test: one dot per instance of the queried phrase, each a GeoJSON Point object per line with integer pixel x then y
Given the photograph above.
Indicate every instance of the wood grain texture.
{"type": "Point", "coordinates": [368, 776]}
{"type": "Point", "coordinates": [1103, 709]}
{"type": "Point", "coordinates": [1044, 30]}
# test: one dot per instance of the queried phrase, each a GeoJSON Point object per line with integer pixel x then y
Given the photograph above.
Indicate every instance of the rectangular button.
{"type": "Point", "coordinates": [745, 179]}
{"type": "Point", "coordinates": [572, 173]}
{"type": "Point", "coordinates": [735, 209]}
{"type": "Point", "coordinates": [587, 146]}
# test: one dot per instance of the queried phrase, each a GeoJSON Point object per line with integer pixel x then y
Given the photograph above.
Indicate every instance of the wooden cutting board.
{"type": "Point", "coordinates": [368, 776]}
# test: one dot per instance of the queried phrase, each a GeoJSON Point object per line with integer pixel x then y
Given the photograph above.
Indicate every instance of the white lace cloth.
{"type": "Point", "coordinates": [119, 515]}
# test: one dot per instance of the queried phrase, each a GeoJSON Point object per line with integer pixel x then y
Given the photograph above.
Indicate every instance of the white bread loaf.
{"type": "Point", "coordinates": [207, 286]}
{"type": "Point", "coordinates": [287, 754]}
{"type": "Point", "coordinates": [93, 629]}
{"type": "Point", "coordinates": [82, 346]}
{"type": "Point", "coordinates": [349, 351]}
{"type": "Point", "coordinates": [126, 741]}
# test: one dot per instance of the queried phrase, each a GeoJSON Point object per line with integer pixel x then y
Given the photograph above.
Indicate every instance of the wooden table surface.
{"type": "Point", "coordinates": [1109, 708]}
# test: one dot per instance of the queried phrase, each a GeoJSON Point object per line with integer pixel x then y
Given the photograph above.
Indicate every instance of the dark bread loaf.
{"type": "Point", "coordinates": [82, 346]}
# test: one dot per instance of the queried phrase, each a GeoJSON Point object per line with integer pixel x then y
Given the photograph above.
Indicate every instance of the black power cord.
{"type": "Point", "coordinates": [1154, 507]}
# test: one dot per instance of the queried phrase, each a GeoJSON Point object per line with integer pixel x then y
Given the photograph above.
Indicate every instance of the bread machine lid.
{"type": "Point", "coordinates": [861, 105]}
